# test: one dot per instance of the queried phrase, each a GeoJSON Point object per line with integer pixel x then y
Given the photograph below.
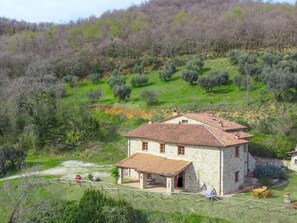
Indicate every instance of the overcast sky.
{"type": "Point", "coordinates": [61, 11]}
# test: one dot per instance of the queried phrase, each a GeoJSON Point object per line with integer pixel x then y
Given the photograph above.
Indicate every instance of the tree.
{"type": "Point", "coordinates": [139, 80]}
{"type": "Point", "coordinates": [214, 79]}
{"type": "Point", "coordinates": [71, 80]}
{"type": "Point", "coordinates": [94, 95]}
{"type": "Point", "coordinates": [150, 97]}
{"type": "Point", "coordinates": [190, 76]}
{"type": "Point", "coordinates": [138, 68]}
{"type": "Point", "coordinates": [280, 81]}
{"type": "Point", "coordinates": [168, 70]}
{"type": "Point", "coordinates": [121, 91]}
{"type": "Point", "coordinates": [95, 78]}
{"type": "Point", "coordinates": [234, 56]}
{"type": "Point", "coordinates": [11, 158]}
{"type": "Point", "coordinates": [244, 59]}
{"type": "Point", "coordinates": [95, 207]}
{"type": "Point", "coordinates": [114, 80]}
{"type": "Point", "coordinates": [269, 58]}
{"type": "Point", "coordinates": [195, 64]}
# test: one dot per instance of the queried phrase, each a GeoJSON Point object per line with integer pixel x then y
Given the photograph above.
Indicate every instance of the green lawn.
{"type": "Point", "coordinates": [175, 92]}
{"type": "Point", "coordinates": [237, 213]}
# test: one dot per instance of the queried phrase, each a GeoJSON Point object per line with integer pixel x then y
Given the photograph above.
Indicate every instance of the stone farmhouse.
{"type": "Point", "coordinates": [191, 152]}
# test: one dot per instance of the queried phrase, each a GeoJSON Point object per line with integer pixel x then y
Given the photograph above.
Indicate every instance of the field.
{"type": "Point", "coordinates": [176, 92]}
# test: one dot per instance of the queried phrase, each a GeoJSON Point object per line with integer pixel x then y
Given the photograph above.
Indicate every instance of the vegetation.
{"type": "Point", "coordinates": [190, 76]}
{"type": "Point", "coordinates": [150, 96]}
{"type": "Point", "coordinates": [11, 159]}
{"type": "Point", "coordinates": [94, 95]}
{"type": "Point", "coordinates": [166, 73]}
{"type": "Point", "coordinates": [269, 171]}
{"type": "Point", "coordinates": [139, 80]}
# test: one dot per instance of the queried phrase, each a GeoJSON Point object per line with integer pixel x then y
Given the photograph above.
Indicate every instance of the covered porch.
{"type": "Point", "coordinates": [153, 173]}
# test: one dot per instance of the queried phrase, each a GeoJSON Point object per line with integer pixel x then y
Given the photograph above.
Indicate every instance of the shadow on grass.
{"type": "Point", "coordinates": [204, 70]}
{"type": "Point", "coordinates": [222, 91]}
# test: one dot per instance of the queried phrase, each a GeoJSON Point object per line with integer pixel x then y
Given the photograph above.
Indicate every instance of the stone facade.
{"type": "Point", "coordinates": [223, 169]}
{"type": "Point", "coordinates": [214, 167]}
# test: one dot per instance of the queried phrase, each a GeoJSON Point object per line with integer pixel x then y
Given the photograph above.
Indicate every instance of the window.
{"type": "Point", "coordinates": [295, 162]}
{"type": "Point", "coordinates": [236, 176]}
{"type": "Point", "coordinates": [184, 121]}
{"type": "Point", "coordinates": [237, 151]}
{"type": "Point", "coordinates": [162, 148]}
{"type": "Point", "coordinates": [144, 146]}
{"type": "Point", "coordinates": [181, 150]}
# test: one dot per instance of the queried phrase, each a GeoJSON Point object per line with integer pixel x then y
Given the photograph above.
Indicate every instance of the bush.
{"type": "Point", "coordinates": [234, 56]}
{"type": "Point", "coordinates": [167, 72]}
{"type": "Point", "coordinates": [270, 58]}
{"type": "Point", "coordinates": [195, 64]}
{"type": "Point", "coordinates": [116, 79]}
{"type": "Point", "coordinates": [94, 95]}
{"type": "Point", "coordinates": [121, 91]}
{"type": "Point", "coordinates": [138, 68]}
{"type": "Point", "coordinates": [190, 76]}
{"type": "Point", "coordinates": [71, 80]}
{"type": "Point", "coordinates": [114, 172]}
{"type": "Point", "coordinates": [11, 158]}
{"type": "Point", "coordinates": [139, 80]}
{"type": "Point", "coordinates": [269, 171]}
{"type": "Point", "coordinates": [95, 78]}
{"type": "Point", "coordinates": [244, 59]}
{"type": "Point", "coordinates": [90, 177]}
{"type": "Point", "coordinates": [214, 79]}
{"type": "Point", "coordinates": [95, 207]}
{"type": "Point", "coordinates": [150, 96]}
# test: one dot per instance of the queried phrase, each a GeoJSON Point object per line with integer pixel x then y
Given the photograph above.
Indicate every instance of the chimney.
{"type": "Point", "coordinates": [237, 135]}
{"type": "Point", "coordinates": [175, 112]}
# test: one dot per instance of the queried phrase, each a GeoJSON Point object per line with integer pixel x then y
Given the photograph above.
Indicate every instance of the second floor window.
{"type": "Point", "coordinates": [237, 151]}
{"type": "Point", "coordinates": [184, 121]}
{"type": "Point", "coordinates": [162, 148]}
{"type": "Point", "coordinates": [180, 150]}
{"type": "Point", "coordinates": [144, 146]}
{"type": "Point", "coordinates": [236, 175]}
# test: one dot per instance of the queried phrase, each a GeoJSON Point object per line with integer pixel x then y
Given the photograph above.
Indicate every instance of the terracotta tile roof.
{"type": "Point", "coordinates": [242, 135]}
{"type": "Point", "coordinates": [148, 163]}
{"type": "Point", "coordinates": [213, 121]}
{"type": "Point", "coordinates": [185, 134]}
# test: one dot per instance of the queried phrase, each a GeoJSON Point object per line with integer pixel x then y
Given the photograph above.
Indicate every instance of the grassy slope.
{"type": "Point", "coordinates": [175, 92]}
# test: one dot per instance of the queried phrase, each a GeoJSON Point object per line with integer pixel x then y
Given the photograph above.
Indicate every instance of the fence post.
{"type": "Point", "coordinates": [147, 194]}
{"type": "Point", "coordinates": [133, 193]}
{"type": "Point", "coordinates": [267, 208]}
{"type": "Point", "coordinates": [161, 196]}
{"type": "Point", "coordinates": [118, 192]}
{"type": "Point", "coordinates": [229, 201]}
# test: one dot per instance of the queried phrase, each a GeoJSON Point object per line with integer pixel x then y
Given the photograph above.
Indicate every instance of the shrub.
{"type": "Point", "coordinates": [245, 59]}
{"type": "Point", "coordinates": [59, 90]}
{"type": "Point", "coordinates": [190, 76]}
{"type": "Point", "coordinates": [121, 91]}
{"type": "Point", "coordinates": [150, 96]}
{"type": "Point", "coordinates": [94, 95]}
{"type": "Point", "coordinates": [114, 172]}
{"type": "Point", "coordinates": [95, 207]}
{"type": "Point", "coordinates": [116, 79]}
{"type": "Point", "coordinates": [168, 70]}
{"type": "Point", "coordinates": [292, 56]}
{"type": "Point", "coordinates": [90, 177]}
{"type": "Point", "coordinates": [11, 158]}
{"type": "Point", "coordinates": [195, 64]}
{"type": "Point", "coordinates": [138, 68]}
{"type": "Point", "coordinates": [95, 78]}
{"type": "Point", "coordinates": [269, 171]}
{"type": "Point", "coordinates": [71, 80]}
{"type": "Point", "coordinates": [139, 80]}
{"type": "Point", "coordinates": [234, 56]}
{"type": "Point", "coordinates": [270, 58]}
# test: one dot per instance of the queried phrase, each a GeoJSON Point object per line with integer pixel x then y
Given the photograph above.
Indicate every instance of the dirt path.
{"type": "Point", "coordinates": [69, 169]}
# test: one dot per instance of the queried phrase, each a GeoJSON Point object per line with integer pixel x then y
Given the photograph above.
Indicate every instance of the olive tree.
{"type": "Point", "coordinates": [190, 76]}
{"type": "Point", "coordinates": [121, 91]}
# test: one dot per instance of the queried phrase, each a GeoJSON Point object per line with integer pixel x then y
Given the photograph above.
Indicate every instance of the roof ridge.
{"type": "Point", "coordinates": [211, 132]}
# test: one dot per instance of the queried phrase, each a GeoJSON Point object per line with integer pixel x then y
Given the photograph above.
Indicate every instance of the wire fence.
{"type": "Point", "coordinates": [195, 198]}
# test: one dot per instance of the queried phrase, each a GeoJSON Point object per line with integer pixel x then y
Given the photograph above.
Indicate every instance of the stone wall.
{"type": "Point", "coordinates": [232, 164]}
{"type": "Point", "coordinates": [274, 162]}
{"type": "Point", "coordinates": [204, 169]}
